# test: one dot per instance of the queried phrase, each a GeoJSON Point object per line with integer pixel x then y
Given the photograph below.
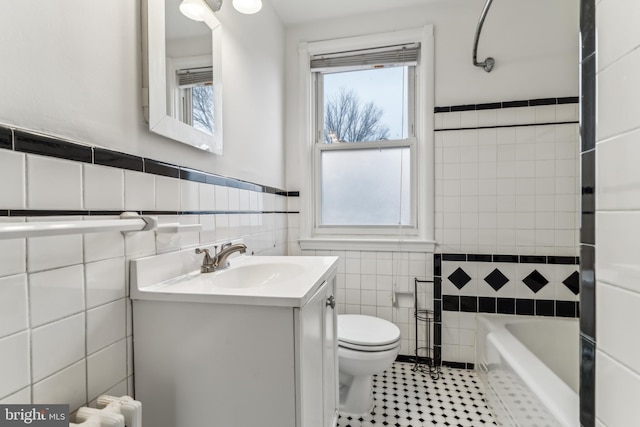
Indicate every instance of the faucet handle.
{"type": "Point", "coordinates": [207, 256]}
{"type": "Point", "coordinates": [225, 245]}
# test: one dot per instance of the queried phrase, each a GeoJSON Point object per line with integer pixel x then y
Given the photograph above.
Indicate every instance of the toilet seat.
{"type": "Point", "coordinates": [366, 333]}
{"type": "Point", "coordinates": [368, 348]}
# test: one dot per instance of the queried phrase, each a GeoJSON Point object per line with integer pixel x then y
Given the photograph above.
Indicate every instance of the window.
{"type": "Point", "coordinates": [369, 122]}
{"type": "Point", "coordinates": [194, 90]}
{"type": "Point", "coordinates": [365, 139]}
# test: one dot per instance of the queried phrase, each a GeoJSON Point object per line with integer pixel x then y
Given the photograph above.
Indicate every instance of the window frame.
{"type": "Point", "coordinates": [320, 146]}
{"type": "Point", "coordinates": [418, 236]}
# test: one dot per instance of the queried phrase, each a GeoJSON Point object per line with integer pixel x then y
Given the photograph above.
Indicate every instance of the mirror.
{"type": "Point", "coordinates": [183, 75]}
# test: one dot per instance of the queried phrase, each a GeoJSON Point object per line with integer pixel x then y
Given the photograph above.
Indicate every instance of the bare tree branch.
{"type": "Point", "coordinates": [202, 107]}
{"type": "Point", "coordinates": [347, 121]}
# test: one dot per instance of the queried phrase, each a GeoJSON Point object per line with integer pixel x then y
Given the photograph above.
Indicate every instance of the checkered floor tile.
{"type": "Point", "coordinates": [404, 398]}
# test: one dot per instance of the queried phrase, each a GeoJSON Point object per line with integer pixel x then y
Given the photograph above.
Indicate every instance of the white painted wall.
{"type": "Point", "coordinates": [535, 44]}
{"type": "Point", "coordinates": [73, 69]}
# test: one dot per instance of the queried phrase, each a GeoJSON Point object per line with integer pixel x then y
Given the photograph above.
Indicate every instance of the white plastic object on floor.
{"type": "Point", "coordinates": [129, 408]}
{"type": "Point", "coordinates": [108, 417]}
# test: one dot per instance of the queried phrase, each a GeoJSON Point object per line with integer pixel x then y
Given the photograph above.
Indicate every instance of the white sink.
{"type": "Point", "coordinates": [254, 280]}
{"type": "Point", "coordinates": [253, 275]}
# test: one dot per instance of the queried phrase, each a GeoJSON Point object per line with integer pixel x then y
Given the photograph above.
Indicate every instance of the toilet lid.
{"type": "Point", "coordinates": [366, 331]}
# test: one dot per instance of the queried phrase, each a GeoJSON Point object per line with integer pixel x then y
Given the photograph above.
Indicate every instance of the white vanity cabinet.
{"type": "Point", "coordinates": [235, 365]}
{"type": "Point", "coordinates": [317, 357]}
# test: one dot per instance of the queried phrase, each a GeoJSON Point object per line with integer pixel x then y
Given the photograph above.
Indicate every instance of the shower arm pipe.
{"type": "Point", "coordinates": [488, 63]}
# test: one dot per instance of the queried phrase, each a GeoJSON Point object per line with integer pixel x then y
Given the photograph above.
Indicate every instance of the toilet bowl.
{"type": "Point", "coordinates": [366, 346]}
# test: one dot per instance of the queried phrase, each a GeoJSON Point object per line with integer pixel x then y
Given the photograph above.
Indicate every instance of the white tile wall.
{"type": "Point", "coordinates": [45, 174]}
{"type": "Point", "coordinates": [105, 325]}
{"type": "Point", "coordinates": [618, 32]}
{"type": "Point", "coordinates": [50, 252]}
{"type": "Point", "coordinates": [617, 391]}
{"type": "Point", "coordinates": [12, 180]}
{"type": "Point", "coordinates": [106, 368]}
{"type": "Point", "coordinates": [496, 189]}
{"type": "Point", "coordinates": [55, 294]}
{"type": "Point", "coordinates": [103, 188]}
{"type": "Point", "coordinates": [139, 191]}
{"type": "Point", "coordinates": [13, 304]}
{"type": "Point", "coordinates": [66, 386]}
{"type": "Point", "coordinates": [167, 194]}
{"type": "Point", "coordinates": [12, 252]}
{"type": "Point", "coordinates": [105, 281]}
{"type": "Point", "coordinates": [618, 213]}
{"type": "Point", "coordinates": [57, 345]}
{"type": "Point", "coordinates": [14, 369]}
{"type": "Point", "coordinates": [618, 173]}
{"type": "Point", "coordinates": [65, 316]}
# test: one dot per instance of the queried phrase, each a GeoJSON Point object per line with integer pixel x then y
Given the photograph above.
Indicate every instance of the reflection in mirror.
{"type": "Point", "coordinates": [189, 69]}
{"type": "Point", "coordinates": [184, 67]}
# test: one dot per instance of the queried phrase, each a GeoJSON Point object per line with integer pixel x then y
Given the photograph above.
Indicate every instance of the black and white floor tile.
{"type": "Point", "coordinates": [404, 398]}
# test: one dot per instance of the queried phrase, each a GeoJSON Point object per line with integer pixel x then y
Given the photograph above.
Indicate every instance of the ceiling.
{"type": "Point", "coordinates": [294, 12]}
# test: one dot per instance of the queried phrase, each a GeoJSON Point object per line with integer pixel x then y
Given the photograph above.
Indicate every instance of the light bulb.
{"type": "Point", "coordinates": [247, 6]}
{"type": "Point", "coordinates": [193, 9]}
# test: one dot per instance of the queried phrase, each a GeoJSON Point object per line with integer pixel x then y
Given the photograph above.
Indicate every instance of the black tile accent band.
{"type": "Point", "coordinates": [6, 139]}
{"type": "Point", "coordinates": [38, 144]}
{"type": "Point", "coordinates": [26, 142]}
{"type": "Point", "coordinates": [163, 169]}
{"type": "Point", "coordinates": [505, 258]}
{"type": "Point", "coordinates": [117, 160]}
{"type": "Point", "coordinates": [521, 306]}
{"type": "Point", "coordinates": [509, 104]}
{"type": "Point", "coordinates": [192, 175]}
{"type": "Point", "coordinates": [479, 258]}
{"type": "Point", "coordinates": [574, 122]}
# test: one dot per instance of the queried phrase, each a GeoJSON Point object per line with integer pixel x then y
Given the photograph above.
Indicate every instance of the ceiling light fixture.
{"type": "Point", "coordinates": [247, 6]}
{"type": "Point", "coordinates": [197, 9]}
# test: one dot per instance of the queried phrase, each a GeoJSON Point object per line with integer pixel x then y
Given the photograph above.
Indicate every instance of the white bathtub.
{"type": "Point", "coordinates": [530, 367]}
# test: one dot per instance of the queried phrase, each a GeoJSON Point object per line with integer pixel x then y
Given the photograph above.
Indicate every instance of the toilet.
{"type": "Point", "coordinates": [366, 346]}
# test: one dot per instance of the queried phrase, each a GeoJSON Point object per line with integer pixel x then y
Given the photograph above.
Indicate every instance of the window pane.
{"type": "Point", "coordinates": [366, 187]}
{"type": "Point", "coordinates": [202, 108]}
{"type": "Point", "coordinates": [365, 105]}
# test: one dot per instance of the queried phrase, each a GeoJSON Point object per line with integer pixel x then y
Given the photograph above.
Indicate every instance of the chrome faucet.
{"type": "Point", "coordinates": [219, 260]}
{"type": "Point", "coordinates": [207, 263]}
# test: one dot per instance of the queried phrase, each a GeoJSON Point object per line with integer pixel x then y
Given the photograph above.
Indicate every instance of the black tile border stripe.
{"type": "Point", "coordinates": [160, 168]}
{"type": "Point", "coordinates": [503, 258]}
{"type": "Point", "coordinates": [6, 139]}
{"type": "Point", "coordinates": [574, 122]}
{"type": "Point", "coordinates": [509, 104]}
{"type": "Point", "coordinates": [51, 147]}
{"type": "Point", "coordinates": [32, 143]}
{"type": "Point", "coordinates": [518, 306]}
{"type": "Point", "coordinates": [118, 160]}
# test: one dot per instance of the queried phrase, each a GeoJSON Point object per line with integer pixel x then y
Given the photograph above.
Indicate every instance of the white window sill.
{"type": "Point", "coordinates": [367, 244]}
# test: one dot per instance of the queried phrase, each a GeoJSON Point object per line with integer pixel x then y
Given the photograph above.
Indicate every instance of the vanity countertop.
{"type": "Point", "coordinates": [284, 281]}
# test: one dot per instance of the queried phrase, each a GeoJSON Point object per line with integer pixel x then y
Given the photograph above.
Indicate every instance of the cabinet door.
{"type": "Point", "coordinates": [318, 360]}
{"type": "Point", "coordinates": [330, 362]}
